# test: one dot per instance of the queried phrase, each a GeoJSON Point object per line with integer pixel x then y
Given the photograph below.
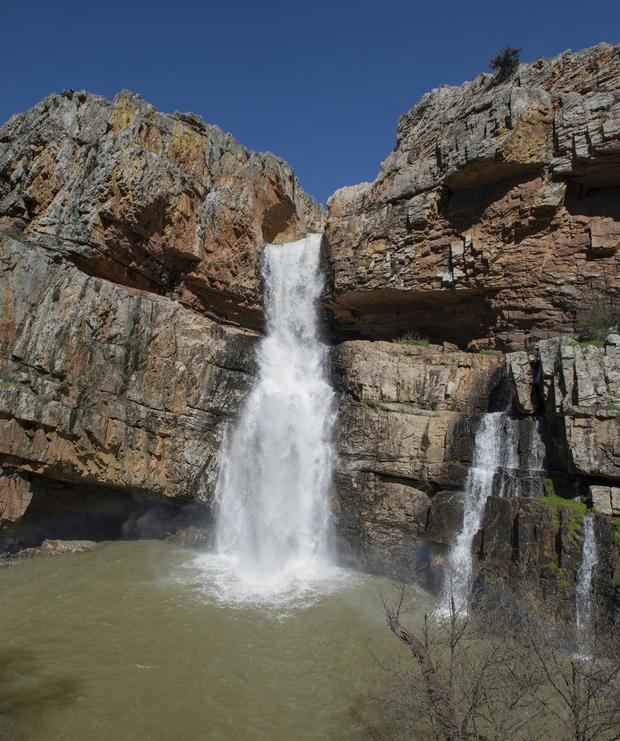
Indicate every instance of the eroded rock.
{"type": "Point", "coordinates": [578, 388]}
{"type": "Point", "coordinates": [106, 386]}
{"type": "Point", "coordinates": [163, 203]}
{"type": "Point", "coordinates": [495, 221]}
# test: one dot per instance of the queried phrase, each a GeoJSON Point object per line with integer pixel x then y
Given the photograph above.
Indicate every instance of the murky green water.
{"type": "Point", "coordinates": [124, 642]}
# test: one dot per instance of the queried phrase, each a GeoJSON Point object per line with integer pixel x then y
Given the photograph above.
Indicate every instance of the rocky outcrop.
{"type": "Point", "coordinates": [606, 500]}
{"type": "Point", "coordinates": [496, 220]}
{"type": "Point", "coordinates": [577, 388]}
{"type": "Point", "coordinates": [15, 497]}
{"type": "Point", "coordinates": [104, 387]}
{"type": "Point", "coordinates": [407, 422]}
{"type": "Point", "coordinates": [535, 545]}
{"type": "Point", "coordinates": [406, 426]}
{"type": "Point", "coordinates": [163, 203]}
{"type": "Point", "coordinates": [130, 245]}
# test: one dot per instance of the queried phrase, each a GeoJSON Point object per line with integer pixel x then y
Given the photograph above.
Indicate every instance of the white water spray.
{"type": "Point", "coordinates": [494, 470]}
{"type": "Point", "coordinates": [275, 476]}
{"type": "Point", "coordinates": [589, 560]}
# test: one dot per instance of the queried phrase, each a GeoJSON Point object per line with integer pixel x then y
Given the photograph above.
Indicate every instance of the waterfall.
{"type": "Point", "coordinates": [494, 470]}
{"type": "Point", "coordinates": [533, 477]}
{"type": "Point", "coordinates": [589, 559]}
{"type": "Point", "coordinates": [275, 475]}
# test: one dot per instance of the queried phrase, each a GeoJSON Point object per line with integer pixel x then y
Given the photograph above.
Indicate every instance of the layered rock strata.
{"type": "Point", "coordinates": [496, 219]}
{"type": "Point", "coordinates": [407, 422]}
{"type": "Point", "coordinates": [119, 390]}
{"type": "Point", "coordinates": [405, 434]}
{"type": "Point", "coordinates": [130, 246]}
{"type": "Point", "coordinates": [577, 388]}
{"type": "Point", "coordinates": [163, 203]}
{"type": "Point", "coordinates": [130, 295]}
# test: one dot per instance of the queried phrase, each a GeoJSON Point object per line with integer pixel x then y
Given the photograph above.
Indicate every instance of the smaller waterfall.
{"type": "Point", "coordinates": [536, 450]}
{"type": "Point", "coordinates": [532, 480]}
{"type": "Point", "coordinates": [494, 470]}
{"type": "Point", "coordinates": [589, 559]}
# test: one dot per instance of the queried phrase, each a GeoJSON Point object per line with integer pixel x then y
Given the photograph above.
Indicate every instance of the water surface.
{"type": "Point", "coordinates": [130, 642]}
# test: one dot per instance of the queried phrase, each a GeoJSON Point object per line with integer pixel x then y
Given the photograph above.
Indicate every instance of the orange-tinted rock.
{"type": "Point", "coordinates": [164, 203]}
{"type": "Point", "coordinates": [496, 219]}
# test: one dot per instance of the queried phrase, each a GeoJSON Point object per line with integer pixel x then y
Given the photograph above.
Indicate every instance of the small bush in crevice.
{"type": "Point", "coordinates": [601, 319]}
{"type": "Point", "coordinates": [411, 338]}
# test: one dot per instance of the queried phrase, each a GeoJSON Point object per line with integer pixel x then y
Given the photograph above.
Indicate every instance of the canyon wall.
{"type": "Point", "coordinates": [161, 203]}
{"type": "Point", "coordinates": [130, 248]}
{"type": "Point", "coordinates": [130, 244]}
{"type": "Point", "coordinates": [494, 222]}
{"type": "Point", "coordinates": [493, 225]}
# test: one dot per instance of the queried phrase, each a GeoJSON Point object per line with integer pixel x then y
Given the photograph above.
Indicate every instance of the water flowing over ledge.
{"type": "Point", "coordinates": [273, 490]}
{"type": "Point", "coordinates": [494, 470]}
{"type": "Point", "coordinates": [584, 606]}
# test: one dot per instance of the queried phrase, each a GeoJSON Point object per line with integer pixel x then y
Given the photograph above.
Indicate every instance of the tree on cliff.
{"type": "Point", "coordinates": [505, 63]}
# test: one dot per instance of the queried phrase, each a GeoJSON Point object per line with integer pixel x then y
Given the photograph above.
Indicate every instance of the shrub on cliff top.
{"type": "Point", "coordinates": [505, 63]}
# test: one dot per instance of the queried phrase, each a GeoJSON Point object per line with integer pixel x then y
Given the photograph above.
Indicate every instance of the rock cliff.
{"type": "Point", "coordinates": [163, 203]}
{"type": "Point", "coordinates": [130, 246]}
{"type": "Point", "coordinates": [106, 388]}
{"type": "Point", "coordinates": [130, 293]}
{"type": "Point", "coordinates": [495, 221]}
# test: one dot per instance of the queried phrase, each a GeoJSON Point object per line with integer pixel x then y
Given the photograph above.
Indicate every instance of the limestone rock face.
{"type": "Point", "coordinates": [536, 544]}
{"type": "Point", "coordinates": [108, 387]}
{"type": "Point", "coordinates": [578, 388]}
{"type": "Point", "coordinates": [130, 244]}
{"type": "Point", "coordinates": [496, 220]}
{"type": "Point", "coordinates": [404, 438]}
{"type": "Point", "coordinates": [15, 496]}
{"type": "Point", "coordinates": [164, 203]}
{"type": "Point", "coordinates": [606, 499]}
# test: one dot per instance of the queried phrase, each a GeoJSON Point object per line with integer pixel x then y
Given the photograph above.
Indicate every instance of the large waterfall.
{"type": "Point", "coordinates": [275, 474]}
{"type": "Point", "coordinates": [494, 470]}
{"type": "Point", "coordinates": [589, 559]}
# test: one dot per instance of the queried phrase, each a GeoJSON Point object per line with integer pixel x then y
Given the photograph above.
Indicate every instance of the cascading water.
{"type": "Point", "coordinates": [274, 482]}
{"type": "Point", "coordinates": [532, 479]}
{"type": "Point", "coordinates": [589, 559]}
{"type": "Point", "coordinates": [494, 470]}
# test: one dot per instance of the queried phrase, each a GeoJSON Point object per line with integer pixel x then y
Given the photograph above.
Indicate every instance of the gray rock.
{"type": "Point", "coordinates": [606, 499]}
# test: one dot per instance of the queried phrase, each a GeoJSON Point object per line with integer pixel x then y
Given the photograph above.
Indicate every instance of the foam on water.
{"type": "Point", "coordinates": [275, 476]}
{"type": "Point", "coordinates": [298, 585]}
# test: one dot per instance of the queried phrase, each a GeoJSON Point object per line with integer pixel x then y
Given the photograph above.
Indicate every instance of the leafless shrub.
{"type": "Point", "coordinates": [502, 670]}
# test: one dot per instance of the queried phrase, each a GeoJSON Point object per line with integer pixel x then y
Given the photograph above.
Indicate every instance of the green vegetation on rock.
{"type": "Point", "coordinates": [413, 339]}
{"type": "Point", "coordinates": [570, 511]}
{"type": "Point", "coordinates": [561, 574]}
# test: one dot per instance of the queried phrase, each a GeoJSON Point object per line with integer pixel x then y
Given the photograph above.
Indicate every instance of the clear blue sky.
{"type": "Point", "coordinates": [321, 84]}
